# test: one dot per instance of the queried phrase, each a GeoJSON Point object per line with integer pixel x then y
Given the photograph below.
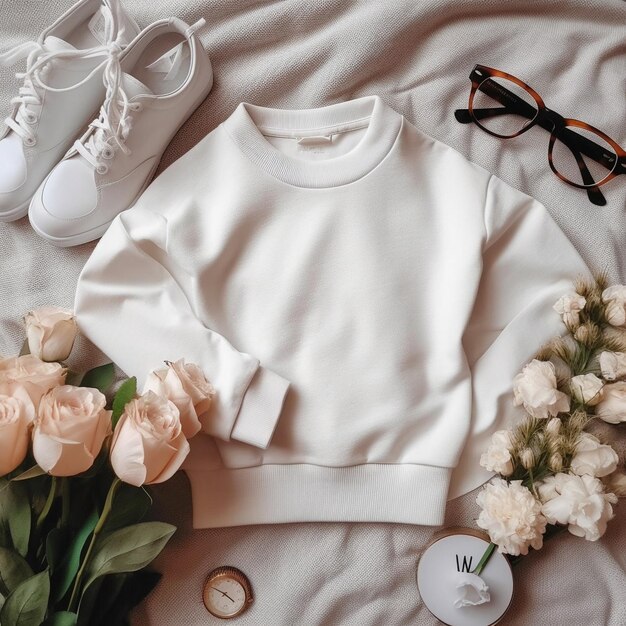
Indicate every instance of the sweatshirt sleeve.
{"type": "Point", "coordinates": [131, 305]}
{"type": "Point", "coordinates": [528, 264]}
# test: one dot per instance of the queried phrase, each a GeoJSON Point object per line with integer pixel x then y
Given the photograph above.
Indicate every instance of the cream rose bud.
{"type": "Point", "coordinates": [593, 458]}
{"type": "Point", "coordinates": [613, 365]}
{"type": "Point", "coordinates": [615, 299]}
{"type": "Point", "coordinates": [51, 332]}
{"type": "Point", "coordinates": [36, 376]}
{"type": "Point", "coordinates": [587, 389]}
{"type": "Point", "coordinates": [569, 307]}
{"type": "Point", "coordinates": [578, 501]}
{"type": "Point", "coordinates": [612, 407]}
{"type": "Point", "coordinates": [535, 388]}
{"type": "Point", "coordinates": [17, 413]}
{"type": "Point", "coordinates": [187, 387]}
{"type": "Point", "coordinates": [148, 445]}
{"type": "Point", "coordinates": [71, 425]}
{"type": "Point", "coordinates": [497, 458]}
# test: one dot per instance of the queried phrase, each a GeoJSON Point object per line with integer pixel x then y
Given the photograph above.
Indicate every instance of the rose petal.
{"type": "Point", "coordinates": [127, 453]}
{"type": "Point", "coordinates": [182, 448]}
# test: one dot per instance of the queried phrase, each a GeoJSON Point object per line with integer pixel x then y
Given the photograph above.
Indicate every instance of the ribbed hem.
{"type": "Point", "coordinates": [277, 494]}
{"type": "Point", "coordinates": [248, 124]}
{"type": "Point", "coordinates": [260, 408]}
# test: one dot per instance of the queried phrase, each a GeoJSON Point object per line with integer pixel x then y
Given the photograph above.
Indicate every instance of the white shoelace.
{"type": "Point", "coordinates": [111, 129]}
{"type": "Point", "coordinates": [38, 61]}
{"type": "Point", "coordinates": [112, 126]}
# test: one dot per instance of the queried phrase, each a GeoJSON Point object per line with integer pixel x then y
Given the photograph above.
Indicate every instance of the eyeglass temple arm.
{"type": "Point", "coordinates": [513, 103]}
{"type": "Point", "coordinates": [593, 192]}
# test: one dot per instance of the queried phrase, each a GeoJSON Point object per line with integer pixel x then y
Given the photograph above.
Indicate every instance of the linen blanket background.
{"type": "Point", "coordinates": [417, 56]}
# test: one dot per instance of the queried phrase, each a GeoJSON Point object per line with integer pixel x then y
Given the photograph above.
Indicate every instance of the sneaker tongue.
{"type": "Point", "coordinates": [54, 44]}
{"type": "Point", "coordinates": [133, 87]}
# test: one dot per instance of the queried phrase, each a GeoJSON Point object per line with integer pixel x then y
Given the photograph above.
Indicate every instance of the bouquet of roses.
{"type": "Point", "coordinates": [74, 471]}
{"type": "Point", "coordinates": [557, 469]}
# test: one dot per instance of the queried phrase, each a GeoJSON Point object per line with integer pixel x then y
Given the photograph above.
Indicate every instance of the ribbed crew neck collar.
{"type": "Point", "coordinates": [248, 123]}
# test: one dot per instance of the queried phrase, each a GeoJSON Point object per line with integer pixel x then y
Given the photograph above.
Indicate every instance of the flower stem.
{"type": "Point", "coordinates": [108, 504]}
{"type": "Point", "coordinates": [65, 501]}
{"type": "Point", "coordinates": [484, 559]}
{"type": "Point", "coordinates": [48, 505]}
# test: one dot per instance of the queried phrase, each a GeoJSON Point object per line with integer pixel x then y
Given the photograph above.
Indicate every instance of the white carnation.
{"type": "Point", "coordinates": [613, 365]}
{"type": "Point", "coordinates": [535, 388]}
{"type": "Point", "coordinates": [615, 299]}
{"type": "Point", "coordinates": [587, 389]}
{"type": "Point", "coordinates": [569, 307]}
{"type": "Point", "coordinates": [612, 407]}
{"type": "Point", "coordinates": [512, 516]}
{"type": "Point", "coordinates": [593, 458]}
{"type": "Point", "coordinates": [579, 502]}
{"type": "Point", "coordinates": [498, 456]}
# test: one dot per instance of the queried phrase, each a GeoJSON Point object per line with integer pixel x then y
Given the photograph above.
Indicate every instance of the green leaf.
{"type": "Point", "coordinates": [126, 393]}
{"type": "Point", "coordinates": [56, 546]}
{"type": "Point", "coordinates": [89, 602]}
{"type": "Point", "coordinates": [65, 571]}
{"type": "Point", "coordinates": [26, 605]}
{"type": "Point", "coordinates": [14, 516]}
{"type": "Point", "coordinates": [100, 378]}
{"type": "Point", "coordinates": [62, 618]}
{"type": "Point", "coordinates": [33, 472]}
{"type": "Point", "coordinates": [13, 570]}
{"type": "Point", "coordinates": [131, 589]}
{"type": "Point", "coordinates": [131, 506]}
{"type": "Point", "coordinates": [128, 549]}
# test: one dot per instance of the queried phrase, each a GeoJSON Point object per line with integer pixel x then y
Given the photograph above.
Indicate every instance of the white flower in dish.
{"type": "Point", "coordinates": [612, 407]}
{"type": "Point", "coordinates": [593, 458]}
{"type": "Point", "coordinates": [615, 299]}
{"type": "Point", "coordinates": [474, 590]}
{"type": "Point", "coordinates": [535, 388]}
{"type": "Point", "coordinates": [578, 501]}
{"type": "Point", "coordinates": [587, 389]}
{"type": "Point", "coordinates": [569, 308]}
{"type": "Point", "coordinates": [497, 458]}
{"type": "Point", "coordinates": [512, 516]}
{"type": "Point", "coordinates": [613, 365]}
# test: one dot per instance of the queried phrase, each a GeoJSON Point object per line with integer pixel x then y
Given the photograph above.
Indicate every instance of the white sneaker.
{"type": "Point", "coordinates": [161, 78]}
{"type": "Point", "coordinates": [62, 87]}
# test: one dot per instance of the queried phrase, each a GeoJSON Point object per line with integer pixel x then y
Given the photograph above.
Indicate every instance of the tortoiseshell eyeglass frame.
{"type": "Point", "coordinates": [551, 121]}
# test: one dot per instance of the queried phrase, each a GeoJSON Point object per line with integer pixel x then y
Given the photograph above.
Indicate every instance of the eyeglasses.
{"type": "Point", "coordinates": [578, 153]}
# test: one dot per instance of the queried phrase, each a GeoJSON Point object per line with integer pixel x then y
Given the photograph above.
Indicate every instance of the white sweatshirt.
{"type": "Point", "coordinates": [359, 294]}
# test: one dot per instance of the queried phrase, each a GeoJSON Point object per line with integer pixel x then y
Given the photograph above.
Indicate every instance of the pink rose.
{"type": "Point", "coordinates": [51, 332]}
{"type": "Point", "coordinates": [36, 376]}
{"type": "Point", "coordinates": [71, 426]}
{"type": "Point", "coordinates": [187, 387]}
{"type": "Point", "coordinates": [148, 445]}
{"type": "Point", "coordinates": [17, 413]}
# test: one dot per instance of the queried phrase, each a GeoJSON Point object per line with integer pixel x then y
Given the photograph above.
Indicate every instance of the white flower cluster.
{"type": "Point", "coordinates": [515, 512]}
{"type": "Point", "coordinates": [516, 520]}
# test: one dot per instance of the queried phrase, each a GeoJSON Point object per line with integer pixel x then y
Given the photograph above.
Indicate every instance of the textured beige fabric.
{"type": "Point", "coordinates": [417, 56]}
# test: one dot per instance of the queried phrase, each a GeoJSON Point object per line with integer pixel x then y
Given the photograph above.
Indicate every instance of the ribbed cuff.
{"type": "Point", "coordinates": [260, 408]}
